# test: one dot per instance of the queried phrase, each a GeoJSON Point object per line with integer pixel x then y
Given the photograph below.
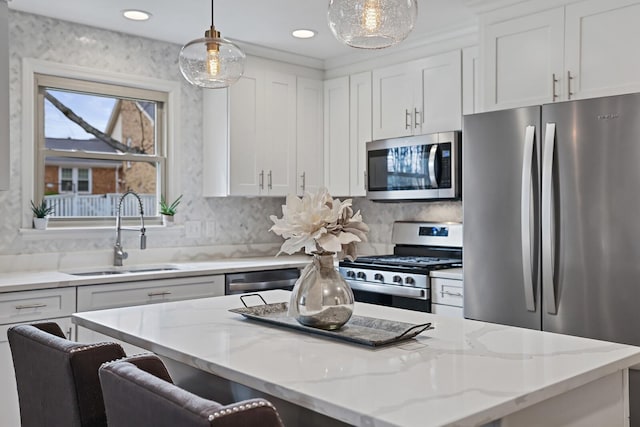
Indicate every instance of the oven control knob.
{"type": "Point", "coordinates": [351, 274]}
{"type": "Point", "coordinates": [379, 277]}
{"type": "Point", "coordinates": [361, 276]}
{"type": "Point", "coordinates": [410, 281]}
{"type": "Point", "coordinates": [397, 279]}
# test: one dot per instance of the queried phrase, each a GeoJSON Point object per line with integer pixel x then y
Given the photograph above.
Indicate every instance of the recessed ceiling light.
{"type": "Point", "coordinates": [303, 34]}
{"type": "Point", "coordinates": [136, 15]}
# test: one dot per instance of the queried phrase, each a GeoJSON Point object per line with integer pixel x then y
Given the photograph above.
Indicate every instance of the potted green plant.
{"type": "Point", "coordinates": [41, 214]}
{"type": "Point", "coordinates": [168, 210]}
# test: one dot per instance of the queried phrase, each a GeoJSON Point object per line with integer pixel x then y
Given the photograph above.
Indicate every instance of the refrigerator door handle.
{"type": "Point", "coordinates": [525, 217]}
{"type": "Point", "coordinates": [548, 287]}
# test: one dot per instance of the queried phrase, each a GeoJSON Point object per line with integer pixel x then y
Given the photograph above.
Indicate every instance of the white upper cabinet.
{"type": "Point", "coordinates": [4, 97]}
{"type": "Point", "coordinates": [246, 134]}
{"type": "Point", "coordinates": [601, 44]}
{"type": "Point", "coordinates": [422, 96]}
{"type": "Point", "coordinates": [310, 143]}
{"type": "Point", "coordinates": [347, 129]}
{"type": "Point", "coordinates": [279, 149]}
{"type": "Point", "coordinates": [470, 80]}
{"type": "Point", "coordinates": [393, 101]}
{"type": "Point", "coordinates": [360, 131]}
{"type": "Point", "coordinates": [262, 133]}
{"type": "Point", "coordinates": [440, 77]}
{"type": "Point", "coordinates": [582, 50]}
{"type": "Point", "coordinates": [523, 62]}
{"type": "Point", "coordinates": [337, 162]}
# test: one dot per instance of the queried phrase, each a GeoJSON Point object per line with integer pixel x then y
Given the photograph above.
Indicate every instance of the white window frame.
{"type": "Point", "coordinates": [170, 128]}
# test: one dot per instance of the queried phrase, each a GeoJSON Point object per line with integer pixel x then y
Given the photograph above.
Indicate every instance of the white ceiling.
{"type": "Point", "coordinates": [258, 22]}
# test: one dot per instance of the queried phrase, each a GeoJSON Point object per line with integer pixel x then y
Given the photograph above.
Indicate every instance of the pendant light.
{"type": "Point", "coordinates": [211, 62]}
{"type": "Point", "coordinates": [372, 24]}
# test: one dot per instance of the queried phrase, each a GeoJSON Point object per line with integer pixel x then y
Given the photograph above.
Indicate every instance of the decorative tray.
{"type": "Point", "coordinates": [359, 329]}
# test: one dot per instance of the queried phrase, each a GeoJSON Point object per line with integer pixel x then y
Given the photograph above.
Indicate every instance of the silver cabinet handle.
{"type": "Point", "coordinates": [159, 294]}
{"type": "Point", "coordinates": [432, 166]}
{"type": "Point", "coordinates": [270, 180]}
{"type": "Point", "coordinates": [554, 80]}
{"type": "Point", "coordinates": [407, 119]}
{"type": "Point", "coordinates": [27, 306]}
{"type": "Point", "coordinates": [525, 216]}
{"type": "Point", "coordinates": [548, 287]}
{"type": "Point", "coordinates": [261, 180]}
{"type": "Point", "coordinates": [569, 78]}
{"type": "Point", "coordinates": [69, 333]}
{"type": "Point", "coordinates": [304, 181]}
{"type": "Point", "coordinates": [417, 113]}
{"type": "Point", "coordinates": [451, 294]}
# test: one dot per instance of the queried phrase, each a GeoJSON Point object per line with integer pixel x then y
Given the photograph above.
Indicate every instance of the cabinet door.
{"type": "Point", "coordinates": [439, 109]}
{"type": "Point", "coordinates": [9, 407]}
{"type": "Point", "coordinates": [601, 43]}
{"type": "Point", "coordinates": [4, 97]}
{"type": "Point", "coordinates": [522, 57]}
{"type": "Point", "coordinates": [360, 131]}
{"type": "Point", "coordinates": [279, 148]}
{"type": "Point", "coordinates": [392, 102]}
{"type": "Point", "coordinates": [245, 136]}
{"type": "Point", "coordinates": [310, 141]}
{"type": "Point", "coordinates": [470, 81]}
{"type": "Point", "coordinates": [336, 136]}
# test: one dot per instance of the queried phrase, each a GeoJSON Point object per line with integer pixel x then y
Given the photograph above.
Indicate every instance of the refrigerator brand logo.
{"type": "Point", "coordinates": [608, 116]}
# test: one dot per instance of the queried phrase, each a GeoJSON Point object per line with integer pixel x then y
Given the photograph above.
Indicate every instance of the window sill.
{"type": "Point", "coordinates": [74, 233]}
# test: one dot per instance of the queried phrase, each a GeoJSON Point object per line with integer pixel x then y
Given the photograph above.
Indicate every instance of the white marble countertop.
{"type": "Point", "coordinates": [461, 373]}
{"type": "Point", "coordinates": [448, 273]}
{"type": "Point", "coordinates": [29, 280]}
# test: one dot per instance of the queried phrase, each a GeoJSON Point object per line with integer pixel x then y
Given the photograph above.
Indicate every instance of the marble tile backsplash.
{"type": "Point", "coordinates": [236, 225]}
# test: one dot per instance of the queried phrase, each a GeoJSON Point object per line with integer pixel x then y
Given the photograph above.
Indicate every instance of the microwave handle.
{"type": "Point", "coordinates": [432, 165]}
{"type": "Point", "coordinates": [366, 184]}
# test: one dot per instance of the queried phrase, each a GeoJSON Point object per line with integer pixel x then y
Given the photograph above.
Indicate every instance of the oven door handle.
{"type": "Point", "coordinates": [393, 290]}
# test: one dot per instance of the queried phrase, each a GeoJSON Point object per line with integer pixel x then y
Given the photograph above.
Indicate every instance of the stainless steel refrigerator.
{"type": "Point", "coordinates": [551, 207]}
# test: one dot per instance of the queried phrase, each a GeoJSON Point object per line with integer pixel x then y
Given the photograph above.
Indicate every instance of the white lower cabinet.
{"type": "Point", "coordinates": [97, 297]}
{"type": "Point", "coordinates": [16, 308]}
{"type": "Point", "coordinates": [447, 296]}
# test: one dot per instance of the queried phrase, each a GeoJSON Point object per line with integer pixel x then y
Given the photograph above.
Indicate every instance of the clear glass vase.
{"type": "Point", "coordinates": [321, 298]}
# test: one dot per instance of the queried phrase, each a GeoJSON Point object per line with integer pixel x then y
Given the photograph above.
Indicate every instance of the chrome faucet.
{"type": "Point", "coordinates": [118, 252]}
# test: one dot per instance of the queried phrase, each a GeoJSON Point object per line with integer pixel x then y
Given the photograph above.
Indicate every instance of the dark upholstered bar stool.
{"type": "Point", "coordinates": [57, 379]}
{"type": "Point", "coordinates": [138, 391]}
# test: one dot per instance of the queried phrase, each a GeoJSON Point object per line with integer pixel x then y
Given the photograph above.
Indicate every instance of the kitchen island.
{"type": "Point", "coordinates": [460, 373]}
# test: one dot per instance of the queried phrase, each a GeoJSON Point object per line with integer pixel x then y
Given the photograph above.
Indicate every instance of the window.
{"type": "Point", "coordinates": [95, 141]}
{"type": "Point", "coordinates": [74, 180]}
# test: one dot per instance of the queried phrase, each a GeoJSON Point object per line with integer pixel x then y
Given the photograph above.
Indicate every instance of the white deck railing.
{"type": "Point", "coordinates": [95, 205]}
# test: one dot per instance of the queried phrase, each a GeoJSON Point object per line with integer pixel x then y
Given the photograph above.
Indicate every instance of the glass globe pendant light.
{"type": "Point", "coordinates": [211, 62]}
{"type": "Point", "coordinates": [372, 24]}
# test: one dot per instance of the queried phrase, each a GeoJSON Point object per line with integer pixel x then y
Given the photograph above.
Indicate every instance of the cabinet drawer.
{"type": "Point", "coordinates": [150, 291]}
{"type": "Point", "coordinates": [447, 291]}
{"type": "Point", "coordinates": [447, 310]}
{"type": "Point", "coordinates": [18, 307]}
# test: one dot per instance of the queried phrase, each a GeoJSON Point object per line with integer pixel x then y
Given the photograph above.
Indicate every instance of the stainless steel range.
{"type": "Point", "coordinates": [402, 279]}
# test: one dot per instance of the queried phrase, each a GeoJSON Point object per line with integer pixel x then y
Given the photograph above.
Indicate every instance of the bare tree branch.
{"type": "Point", "coordinates": [90, 129]}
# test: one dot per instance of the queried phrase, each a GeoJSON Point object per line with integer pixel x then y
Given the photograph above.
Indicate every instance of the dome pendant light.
{"type": "Point", "coordinates": [211, 62]}
{"type": "Point", "coordinates": [372, 24]}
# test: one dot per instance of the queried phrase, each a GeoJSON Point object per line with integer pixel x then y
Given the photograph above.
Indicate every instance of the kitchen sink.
{"type": "Point", "coordinates": [116, 270]}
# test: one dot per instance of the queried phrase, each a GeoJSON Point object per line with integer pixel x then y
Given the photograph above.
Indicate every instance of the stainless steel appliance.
{"type": "Point", "coordinates": [402, 279]}
{"type": "Point", "coordinates": [552, 237]}
{"type": "Point", "coordinates": [254, 281]}
{"type": "Point", "coordinates": [415, 167]}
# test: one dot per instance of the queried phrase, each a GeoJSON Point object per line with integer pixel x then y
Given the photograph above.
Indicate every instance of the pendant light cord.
{"type": "Point", "coordinates": [212, 14]}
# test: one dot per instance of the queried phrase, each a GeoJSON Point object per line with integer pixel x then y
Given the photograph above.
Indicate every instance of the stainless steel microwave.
{"type": "Point", "coordinates": [415, 167]}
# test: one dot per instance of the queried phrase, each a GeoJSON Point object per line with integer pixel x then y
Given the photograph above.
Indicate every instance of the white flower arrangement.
{"type": "Point", "coordinates": [319, 223]}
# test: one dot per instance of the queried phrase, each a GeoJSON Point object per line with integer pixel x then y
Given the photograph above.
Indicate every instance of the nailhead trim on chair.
{"type": "Point", "coordinates": [240, 408]}
{"type": "Point", "coordinates": [90, 346]}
